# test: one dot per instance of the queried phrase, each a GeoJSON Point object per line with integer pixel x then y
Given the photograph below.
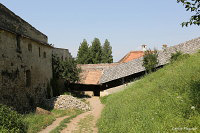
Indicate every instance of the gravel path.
{"type": "Point", "coordinates": [95, 111]}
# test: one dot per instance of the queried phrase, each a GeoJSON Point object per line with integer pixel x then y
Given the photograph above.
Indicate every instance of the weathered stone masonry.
{"type": "Point", "coordinates": [25, 63]}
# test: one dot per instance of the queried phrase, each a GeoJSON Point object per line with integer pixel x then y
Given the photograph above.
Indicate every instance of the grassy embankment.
{"type": "Point", "coordinates": [165, 101]}
{"type": "Point", "coordinates": [38, 122]}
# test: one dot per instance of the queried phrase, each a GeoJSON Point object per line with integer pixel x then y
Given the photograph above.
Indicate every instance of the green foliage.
{"type": "Point", "coordinates": [67, 70]}
{"type": "Point", "coordinates": [174, 56]}
{"type": "Point", "coordinates": [193, 6]}
{"type": "Point", "coordinates": [107, 52]}
{"type": "Point", "coordinates": [96, 51]}
{"type": "Point", "coordinates": [164, 101]}
{"type": "Point", "coordinates": [11, 121]}
{"type": "Point", "coordinates": [37, 122]}
{"type": "Point", "coordinates": [150, 60]}
{"type": "Point", "coordinates": [83, 53]}
{"type": "Point", "coordinates": [178, 56]}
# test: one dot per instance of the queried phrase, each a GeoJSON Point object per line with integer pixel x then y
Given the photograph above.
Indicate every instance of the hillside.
{"type": "Point", "coordinates": [165, 101]}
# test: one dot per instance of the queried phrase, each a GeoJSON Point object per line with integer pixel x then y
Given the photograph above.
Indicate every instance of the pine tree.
{"type": "Point", "coordinates": [107, 52]}
{"type": "Point", "coordinates": [96, 51]}
{"type": "Point", "coordinates": [83, 53]}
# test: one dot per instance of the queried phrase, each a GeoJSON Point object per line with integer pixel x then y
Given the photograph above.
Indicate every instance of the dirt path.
{"type": "Point", "coordinates": [74, 126]}
{"type": "Point", "coordinates": [53, 125]}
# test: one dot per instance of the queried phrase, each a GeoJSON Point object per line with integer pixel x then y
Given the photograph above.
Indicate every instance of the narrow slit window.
{"type": "Point", "coordinates": [30, 47]}
{"type": "Point", "coordinates": [44, 54]}
{"type": "Point", "coordinates": [18, 43]}
{"type": "Point", "coordinates": [39, 52]}
{"type": "Point", "coordinates": [28, 78]}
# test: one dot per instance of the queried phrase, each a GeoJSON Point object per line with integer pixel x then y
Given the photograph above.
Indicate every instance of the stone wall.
{"type": "Point", "coordinates": [25, 63]}
{"type": "Point", "coordinates": [12, 22]}
{"type": "Point", "coordinates": [63, 54]}
{"type": "Point", "coordinates": [25, 71]}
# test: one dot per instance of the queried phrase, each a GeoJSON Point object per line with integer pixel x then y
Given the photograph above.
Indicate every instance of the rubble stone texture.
{"type": "Point", "coordinates": [66, 102]}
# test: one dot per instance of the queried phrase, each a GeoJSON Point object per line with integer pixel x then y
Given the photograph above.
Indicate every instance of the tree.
{"type": "Point", "coordinates": [67, 70]}
{"type": "Point", "coordinates": [107, 52]}
{"type": "Point", "coordinates": [83, 53]}
{"type": "Point", "coordinates": [150, 60]}
{"type": "Point", "coordinates": [96, 51]}
{"type": "Point", "coordinates": [193, 6]}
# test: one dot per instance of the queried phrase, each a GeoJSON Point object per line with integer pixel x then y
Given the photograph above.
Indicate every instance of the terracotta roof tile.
{"type": "Point", "coordinates": [131, 56]}
{"type": "Point", "coordinates": [91, 73]}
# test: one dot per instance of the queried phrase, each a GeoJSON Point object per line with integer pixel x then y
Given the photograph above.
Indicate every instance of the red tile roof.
{"type": "Point", "coordinates": [91, 73]}
{"type": "Point", "coordinates": [131, 56]}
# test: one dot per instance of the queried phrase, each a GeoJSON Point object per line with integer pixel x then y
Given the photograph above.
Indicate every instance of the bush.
{"type": "Point", "coordinates": [174, 56]}
{"type": "Point", "coordinates": [178, 56]}
{"type": "Point", "coordinates": [11, 121]}
{"type": "Point", "coordinates": [150, 60]}
{"type": "Point", "coordinates": [64, 69]}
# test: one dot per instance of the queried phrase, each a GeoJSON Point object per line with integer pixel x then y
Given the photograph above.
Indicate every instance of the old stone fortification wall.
{"type": "Point", "coordinates": [63, 54]}
{"type": "Point", "coordinates": [25, 71]}
{"type": "Point", "coordinates": [10, 21]}
{"type": "Point", "coordinates": [25, 63]}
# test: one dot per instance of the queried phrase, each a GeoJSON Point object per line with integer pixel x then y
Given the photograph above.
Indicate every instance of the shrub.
{"type": "Point", "coordinates": [150, 60]}
{"type": "Point", "coordinates": [11, 121]}
{"type": "Point", "coordinates": [174, 56]}
{"type": "Point", "coordinates": [64, 69]}
{"type": "Point", "coordinates": [178, 56]}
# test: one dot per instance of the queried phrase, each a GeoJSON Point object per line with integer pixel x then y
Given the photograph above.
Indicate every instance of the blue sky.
{"type": "Point", "coordinates": [127, 24]}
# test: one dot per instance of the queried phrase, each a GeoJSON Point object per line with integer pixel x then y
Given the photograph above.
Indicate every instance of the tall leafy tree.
{"type": "Point", "coordinates": [193, 6]}
{"type": "Point", "coordinates": [96, 51]}
{"type": "Point", "coordinates": [107, 52]}
{"type": "Point", "coordinates": [83, 53]}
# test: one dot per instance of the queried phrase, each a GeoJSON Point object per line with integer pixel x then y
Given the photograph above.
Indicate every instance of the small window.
{"type": "Point", "coordinates": [44, 55]}
{"type": "Point", "coordinates": [18, 43]}
{"type": "Point", "coordinates": [30, 47]}
{"type": "Point", "coordinates": [28, 78]}
{"type": "Point", "coordinates": [39, 51]}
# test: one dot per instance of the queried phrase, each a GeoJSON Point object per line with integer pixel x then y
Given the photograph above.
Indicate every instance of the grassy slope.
{"type": "Point", "coordinates": [161, 101]}
{"type": "Point", "coordinates": [37, 122]}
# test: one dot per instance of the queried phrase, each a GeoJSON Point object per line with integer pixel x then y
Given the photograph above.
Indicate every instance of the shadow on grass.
{"type": "Point", "coordinates": [195, 94]}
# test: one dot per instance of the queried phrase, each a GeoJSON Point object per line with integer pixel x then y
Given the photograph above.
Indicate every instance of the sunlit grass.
{"type": "Point", "coordinates": [37, 122]}
{"type": "Point", "coordinates": [165, 101]}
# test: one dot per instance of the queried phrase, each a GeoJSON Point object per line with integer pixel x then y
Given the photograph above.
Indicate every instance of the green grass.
{"type": "Point", "coordinates": [165, 101]}
{"type": "Point", "coordinates": [63, 124]}
{"type": "Point", "coordinates": [85, 125]}
{"type": "Point", "coordinates": [37, 122]}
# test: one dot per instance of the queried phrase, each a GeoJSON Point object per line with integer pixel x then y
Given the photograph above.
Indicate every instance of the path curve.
{"type": "Point", "coordinates": [95, 111]}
